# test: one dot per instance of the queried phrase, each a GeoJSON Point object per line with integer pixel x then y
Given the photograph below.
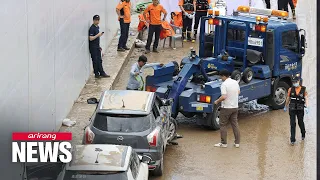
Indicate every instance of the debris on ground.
{"type": "Point", "coordinates": [68, 122]}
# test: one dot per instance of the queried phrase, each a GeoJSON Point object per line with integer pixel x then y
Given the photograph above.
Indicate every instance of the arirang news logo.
{"type": "Point", "coordinates": [41, 147]}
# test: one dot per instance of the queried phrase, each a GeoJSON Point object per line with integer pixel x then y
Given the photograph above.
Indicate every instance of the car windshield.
{"type": "Point", "coordinates": [80, 175]}
{"type": "Point", "coordinates": [122, 123]}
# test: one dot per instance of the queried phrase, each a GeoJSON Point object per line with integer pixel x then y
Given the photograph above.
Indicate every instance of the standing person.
{"type": "Point", "coordinates": [124, 16]}
{"type": "Point", "coordinates": [230, 91]}
{"type": "Point", "coordinates": [297, 100]}
{"type": "Point", "coordinates": [136, 81]}
{"type": "Point", "coordinates": [283, 5]}
{"type": "Point", "coordinates": [268, 4]}
{"type": "Point", "coordinates": [187, 8]}
{"type": "Point", "coordinates": [201, 10]}
{"type": "Point", "coordinates": [95, 49]}
{"type": "Point", "coordinates": [155, 11]}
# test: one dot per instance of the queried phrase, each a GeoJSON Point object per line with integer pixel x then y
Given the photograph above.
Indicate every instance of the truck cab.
{"type": "Point", "coordinates": [261, 48]}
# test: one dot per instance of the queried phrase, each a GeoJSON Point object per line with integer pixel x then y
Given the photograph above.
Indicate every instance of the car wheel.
{"type": "Point", "coordinates": [213, 119]}
{"type": "Point", "coordinates": [158, 171]}
{"type": "Point", "coordinates": [172, 129]}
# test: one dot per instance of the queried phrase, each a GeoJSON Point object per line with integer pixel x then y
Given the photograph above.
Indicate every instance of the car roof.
{"type": "Point", "coordinates": [135, 102]}
{"type": "Point", "coordinates": [99, 157]}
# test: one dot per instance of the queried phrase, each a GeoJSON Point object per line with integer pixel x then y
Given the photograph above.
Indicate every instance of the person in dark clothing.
{"type": "Point", "coordinates": [268, 4]}
{"type": "Point", "coordinates": [297, 100]}
{"type": "Point", "coordinates": [283, 5]}
{"type": "Point", "coordinates": [124, 16]}
{"type": "Point", "coordinates": [95, 49]}
{"type": "Point", "coordinates": [201, 7]}
{"type": "Point", "coordinates": [187, 8]}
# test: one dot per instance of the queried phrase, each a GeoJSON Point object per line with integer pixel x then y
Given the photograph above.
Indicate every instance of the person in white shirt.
{"type": "Point", "coordinates": [230, 91]}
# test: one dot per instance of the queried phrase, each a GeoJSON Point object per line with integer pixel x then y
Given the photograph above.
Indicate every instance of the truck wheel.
{"type": "Point", "coordinates": [158, 171]}
{"type": "Point", "coordinates": [236, 75]}
{"type": "Point", "coordinates": [213, 119]}
{"type": "Point", "coordinates": [247, 75]}
{"type": "Point", "coordinates": [278, 98]}
{"type": "Point", "coordinates": [176, 68]}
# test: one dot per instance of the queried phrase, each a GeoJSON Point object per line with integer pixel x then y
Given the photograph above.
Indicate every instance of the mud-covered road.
{"type": "Point", "coordinates": [264, 153]}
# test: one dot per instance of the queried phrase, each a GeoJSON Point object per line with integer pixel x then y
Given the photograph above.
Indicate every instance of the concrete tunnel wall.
{"type": "Point", "coordinates": [45, 62]}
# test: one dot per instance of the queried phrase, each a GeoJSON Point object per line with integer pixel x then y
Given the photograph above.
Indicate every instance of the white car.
{"type": "Point", "coordinates": [104, 161]}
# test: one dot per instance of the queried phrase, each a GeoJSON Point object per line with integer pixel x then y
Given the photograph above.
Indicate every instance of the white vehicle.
{"type": "Point", "coordinates": [104, 161]}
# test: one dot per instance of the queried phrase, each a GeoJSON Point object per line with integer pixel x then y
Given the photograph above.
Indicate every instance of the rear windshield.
{"type": "Point", "coordinates": [74, 175]}
{"type": "Point", "coordinates": [122, 123]}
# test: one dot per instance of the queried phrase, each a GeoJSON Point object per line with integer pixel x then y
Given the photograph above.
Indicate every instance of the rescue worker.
{"type": "Point", "coordinates": [123, 10]}
{"type": "Point", "coordinates": [267, 4]}
{"type": "Point", "coordinates": [201, 10]}
{"type": "Point", "coordinates": [297, 100]}
{"type": "Point", "coordinates": [187, 8]}
{"type": "Point", "coordinates": [155, 10]}
{"type": "Point", "coordinates": [283, 5]}
{"type": "Point", "coordinates": [95, 49]}
{"type": "Point", "coordinates": [136, 73]}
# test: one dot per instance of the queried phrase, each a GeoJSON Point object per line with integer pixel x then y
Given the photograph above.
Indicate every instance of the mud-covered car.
{"type": "Point", "coordinates": [104, 161]}
{"type": "Point", "coordinates": [133, 118]}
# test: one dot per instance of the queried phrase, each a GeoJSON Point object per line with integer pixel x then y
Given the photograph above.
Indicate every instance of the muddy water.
{"type": "Point", "coordinates": [265, 152]}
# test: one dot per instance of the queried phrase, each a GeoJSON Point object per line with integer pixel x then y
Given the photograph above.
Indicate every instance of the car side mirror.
{"type": "Point", "coordinates": [92, 101]}
{"type": "Point", "coordinates": [146, 159]}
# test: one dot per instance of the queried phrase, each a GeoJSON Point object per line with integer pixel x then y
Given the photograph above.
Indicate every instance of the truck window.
{"type": "Point", "coordinates": [290, 40]}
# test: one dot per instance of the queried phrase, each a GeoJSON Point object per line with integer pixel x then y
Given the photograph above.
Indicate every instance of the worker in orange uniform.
{"type": "Point", "coordinates": [187, 8]}
{"type": "Point", "coordinates": [124, 16]}
{"type": "Point", "coordinates": [297, 100]}
{"type": "Point", "coordinates": [155, 10]}
{"type": "Point", "coordinates": [201, 9]}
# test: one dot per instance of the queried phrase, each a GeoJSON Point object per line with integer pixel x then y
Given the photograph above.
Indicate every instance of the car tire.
{"type": "Point", "coordinates": [158, 171]}
{"type": "Point", "coordinates": [213, 119]}
{"type": "Point", "coordinates": [173, 127]}
{"type": "Point", "coordinates": [247, 75]}
{"type": "Point", "coordinates": [279, 95]}
{"type": "Point", "coordinates": [176, 68]}
{"type": "Point", "coordinates": [236, 75]}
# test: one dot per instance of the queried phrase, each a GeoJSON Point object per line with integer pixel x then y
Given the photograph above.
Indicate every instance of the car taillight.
{"type": "Point", "coordinates": [89, 136]}
{"type": "Point", "coordinates": [153, 138]}
{"type": "Point", "coordinates": [151, 89]}
{"type": "Point", "coordinates": [204, 98]}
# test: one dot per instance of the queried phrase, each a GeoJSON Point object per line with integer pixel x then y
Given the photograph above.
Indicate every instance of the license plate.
{"type": "Point", "coordinates": [255, 41]}
{"type": "Point", "coordinates": [199, 108]}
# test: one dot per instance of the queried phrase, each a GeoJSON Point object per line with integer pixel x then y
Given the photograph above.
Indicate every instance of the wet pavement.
{"type": "Point", "coordinates": [264, 153]}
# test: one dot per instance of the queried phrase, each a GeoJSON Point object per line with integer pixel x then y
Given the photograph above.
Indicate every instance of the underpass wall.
{"type": "Point", "coordinates": [45, 63]}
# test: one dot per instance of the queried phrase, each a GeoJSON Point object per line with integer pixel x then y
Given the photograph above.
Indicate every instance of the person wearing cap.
{"type": "Point", "coordinates": [155, 10]}
{"type": "Point", "coordinates": [230, 91]}
{"type": "Point", "coordinates": [201, 10]}
{"type": "Point", "coordinates": [136, 73]}
{"type": "Point", "coordinates": [95, 49]}
{"type": "Point", "coordinates": [187, 8]}
{"type": "Point", "coordinates": [123, 10]}
{"type": "Point", "coordinates": [297, 101]}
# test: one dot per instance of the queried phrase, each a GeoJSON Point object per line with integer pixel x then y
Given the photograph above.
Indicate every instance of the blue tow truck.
{"type": "Point", "coordinates": [261, 48]}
